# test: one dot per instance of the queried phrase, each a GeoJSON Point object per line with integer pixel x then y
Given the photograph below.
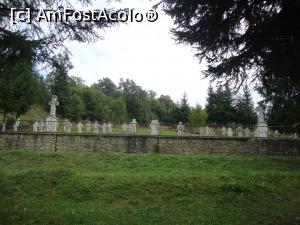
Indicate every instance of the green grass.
{"type": "Point", "coordinates": [118, 188]}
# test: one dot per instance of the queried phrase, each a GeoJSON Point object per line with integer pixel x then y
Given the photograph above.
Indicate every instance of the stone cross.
{"type": "Point", "coordinates": [247, 132]}
{"type": "Point", "coordinates": [35, 127]}
{"type": "Point", "coordinates": [88, 126]}
{"type": "Point", "coordinates": [16, 125]}
{"type": "Point", "coordinates": [276, 133]}
{"type": "Point", "coordinates": [260, 111]}
{"type": "Point", "coordinates": [207, 131]}
{"type": "Point", "coordinates": [96, 127]}
{"type": "Point", "coordinates": [132, 126]}
{"type": "Point", "coordinates": [154, 127]}
{"type": "Point", "coordinates": [67, 126]}
{"type": "Point", "coordinates": [229, 132]}
{"type": "Point", "coordinates": [104, 128]}
{"type": "Point", "coordinates": [223, 131]}
{"type": "Point", "coordinates": [3, 127]}
{"type": "Point", "coordinates": [125, 128]}
{"type": "Point", "coordinates": [53, 103]}
{"type": "Point", "coordinates": [239, 131]}
{"type": "Point", "coordinates": [79, 127]}
{"type": "Point", "coordinates": [180, 129]}
{"type": "Point", "coordinates": [201, 131]}
{"type": "Point", "coordinates": [41, 126]}
{"type": "Point", "coordinates": [109, 128]}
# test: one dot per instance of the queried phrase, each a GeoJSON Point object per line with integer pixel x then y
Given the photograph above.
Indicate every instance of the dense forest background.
{"type": "Point", "coordinates": [108, 101]}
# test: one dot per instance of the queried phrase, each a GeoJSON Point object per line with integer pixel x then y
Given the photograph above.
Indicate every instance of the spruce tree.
{"type": "Point", "coordinates": [183, 109]}
{"type": "Point", "coordinates": [219, 106]}
{"type": "Point", "coordinates": [60, 83]}
{"type": "Point", "coordinates": [245, 108]}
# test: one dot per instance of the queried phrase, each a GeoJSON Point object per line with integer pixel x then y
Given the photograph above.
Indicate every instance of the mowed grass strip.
{"type": "Point", "coordinates": [119, 188]}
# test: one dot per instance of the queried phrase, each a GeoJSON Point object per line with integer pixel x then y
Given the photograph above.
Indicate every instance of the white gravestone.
{"type": "Point", "coordinates": [247, 132]}
{"type": "Point", "coordinates": [41, 126]}
{"type": "Point", "coordinates": [104, 128]}
{"type": "Point", "coordinates": [88, 126]}
{"type": "Point", "coordinates": [51, 121]}
{"type": "Point", "coordinates": [125, 128]}
{"type": "Point", "coordinates": [96, 127]}
{"type": "Point", "coordinates": [180, 129]}
{"type": "Point", "coordinates": [35, 127]}
{"type": "Point", "coordinates": [79, 127]}
{"type": "Point", "coordinates": [276, 133]}
{"type": "Point", "coordinates": [132, 126]}
{"type": "Point", "coordinates": [212, 132]}
{"type": "Point", "coordinates": [223, 131]}
{"type": "Point", "coordinates": [239, 131]}
{"type": "Point", "coordinates": [207, 131]}
{"type": "Point", "coordinates": [16, 125]}
{"type": "Point", "coordinates": [202, 131]}
{"type": "Point", "coordinates": [154, 127]}
{"type": "Point", "coordinates": [109, 128]}
{"type": "Point", "coordinates": [262, 127]}
{"type": "Point", "coordinates": [229, 132]}
{"type": "Point", "coordinates": [3, 127]}
{"type": "Point", "coordinates": [67, 126]}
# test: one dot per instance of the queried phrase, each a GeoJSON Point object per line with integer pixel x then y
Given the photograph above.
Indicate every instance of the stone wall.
{"type": "Point", "coordinates": [141, 144]}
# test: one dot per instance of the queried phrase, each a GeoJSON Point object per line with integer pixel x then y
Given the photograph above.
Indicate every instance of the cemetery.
{"type": "Point", "coordinates": [160, 112]}
{"type": "Point", "coordinates": [55, 135]}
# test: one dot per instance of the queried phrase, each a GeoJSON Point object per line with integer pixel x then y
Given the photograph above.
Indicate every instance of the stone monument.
{"type": "Point", "coordinates": [16, 125]}
{"type": "Point", "coordinates": [41, 126]}
{"type": "Point", "coordinates": [125, 128]}
{"type": "Point", "coordinates": [223, 131]}
{"type": "Point", "coordinates": [154, 127]}
{"type": "Point", "coordinates": [109, 128]}
{"type": "Point", "coordinates": [239, 131]}
{"type": "Point", "coordinates": [79, 127]}
{"type": "Point", "coordinates": [35, 127]}
{"type": "Point", "coordinates": [229, 132]}
{"type": "Point", "coordinates": [104, 128]}
{"type": "Point", "coordinates": [88, 126]}
{"type": "Point", "coordinates": [132, 126]}
{"type": "Point", "coordinates": [52, 121]}
{"type": "Point", "coordinates": [180, 129]}
{"type": "Point", "coordinates": [67, 126]}
{"type": "Point", "coordinates": [262, 127]}
{"type": "Point", "coordinates": [96, 127]}
{"type": "Point", "coordinates": [3, 127]}
{"type": "Point", "coordinates": [247, 132]}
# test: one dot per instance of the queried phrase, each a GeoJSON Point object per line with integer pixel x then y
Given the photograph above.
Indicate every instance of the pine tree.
{"type": "Point", "coordinates": [183, 109]}
{"type": "Point", "coordinates": [239, 36]}
{"type": "Point", "coordinates": [245, 108]}
{"type": "Point", "coordinates": [60, 83]}
{"type": "Point", "coordinates": [219, 106]}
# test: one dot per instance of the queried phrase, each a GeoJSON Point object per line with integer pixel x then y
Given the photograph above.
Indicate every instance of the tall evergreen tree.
{"type": "Point", "coordinates": [20, 85]}
{"type": "Point", "coordinates": [219, 107]}
{"type": "Point", "coordinates": [59, 83]}
{"type": "Point", "coordinates": [239, 36]}
{"type": "Point", "coordinates": [245, 112]}
{"type": "Point", "coordinates": [183, 109]}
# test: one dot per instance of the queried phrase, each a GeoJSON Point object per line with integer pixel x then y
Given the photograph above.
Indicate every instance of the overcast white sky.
{"type": "Point", "coordinates": [144, 52]}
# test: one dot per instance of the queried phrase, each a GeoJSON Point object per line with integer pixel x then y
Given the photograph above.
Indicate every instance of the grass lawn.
{"type": "Point", "coordinates": [118, 188]}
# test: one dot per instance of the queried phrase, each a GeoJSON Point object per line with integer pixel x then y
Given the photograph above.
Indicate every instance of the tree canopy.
{"type": "Point", "coordinates": [243, 39]}
{"type": "Point", "coordinates": [51, 34]}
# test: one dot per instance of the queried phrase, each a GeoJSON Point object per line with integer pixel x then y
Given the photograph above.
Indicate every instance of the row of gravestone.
{"type": "Point", "coordinates": [51, 125]}
{"type": "Point", "coordinates": [131, 128]}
